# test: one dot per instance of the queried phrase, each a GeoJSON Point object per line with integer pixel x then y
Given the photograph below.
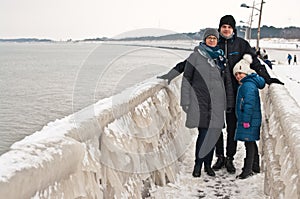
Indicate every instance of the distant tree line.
{"type": "Point", "coordinates": [272, 32]}
{"type": "Point", "coordinates": [21, 40]}
{"type": "Point", "coordinates": [265, 32]}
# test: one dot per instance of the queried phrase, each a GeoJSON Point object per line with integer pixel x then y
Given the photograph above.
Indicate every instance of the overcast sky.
{"type": "Point", "coordinates": [79, 19]}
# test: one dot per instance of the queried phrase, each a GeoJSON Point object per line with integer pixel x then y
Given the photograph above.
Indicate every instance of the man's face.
{"type": "Point", "coordinates": [226, 30]}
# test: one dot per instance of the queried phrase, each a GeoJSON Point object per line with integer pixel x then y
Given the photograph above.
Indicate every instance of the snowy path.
{"type": "Point", "coordinates": [223, 185]}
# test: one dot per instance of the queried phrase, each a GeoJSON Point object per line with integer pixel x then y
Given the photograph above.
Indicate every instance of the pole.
{"type": "Point", "coordinates": [258, 28]}
{"type": "Point", "coordinates": [251, 19]}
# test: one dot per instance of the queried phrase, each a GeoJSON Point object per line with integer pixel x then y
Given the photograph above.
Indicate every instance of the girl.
{"type": "Point", "coordinates": [248, 111]}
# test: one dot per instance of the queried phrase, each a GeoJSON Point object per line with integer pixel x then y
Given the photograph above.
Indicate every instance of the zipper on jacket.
{"type": "Point", "coordinates": [226, 52]}
{"type": "Point", "coordinates": [242, 104]}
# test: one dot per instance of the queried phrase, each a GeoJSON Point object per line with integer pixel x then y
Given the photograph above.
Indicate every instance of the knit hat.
{"type": "Point", "coordinates": [210, 31]}
{"type": "Point", "coordinates": [243, 65]}
{"type": "Point", "coordinates": [227, 19]}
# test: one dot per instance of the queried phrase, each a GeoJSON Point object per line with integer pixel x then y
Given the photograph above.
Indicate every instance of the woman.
{"type": "Point", "coordinates": [203, 98]}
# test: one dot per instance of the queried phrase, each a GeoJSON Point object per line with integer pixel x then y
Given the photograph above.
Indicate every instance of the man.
{"type": "Point", "coordinates": [234, 48]}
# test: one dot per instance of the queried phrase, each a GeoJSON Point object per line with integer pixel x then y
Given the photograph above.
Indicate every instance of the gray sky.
{"type": "Point", "coordinates": [79, 19]}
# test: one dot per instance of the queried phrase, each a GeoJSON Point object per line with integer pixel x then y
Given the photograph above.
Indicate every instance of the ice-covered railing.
{"type": "Point", "coordinates": [117, 148]}
{"type": "Point", "coordinates": [281, 143]}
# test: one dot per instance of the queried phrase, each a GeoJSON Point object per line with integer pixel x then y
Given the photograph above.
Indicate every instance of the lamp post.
{"type": "Point", "coordinates": [259, 20]}
{"type": "Point", "coordinates": [251, 18]}
{"type": "Point", "coordinates": [246, 29]}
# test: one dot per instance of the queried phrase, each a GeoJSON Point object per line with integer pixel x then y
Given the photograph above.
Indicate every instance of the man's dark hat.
{"type": "Point", "coordinates": [227, 19]}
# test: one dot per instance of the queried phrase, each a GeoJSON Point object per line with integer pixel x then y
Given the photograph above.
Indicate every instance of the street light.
{"type": "Point", "coordinates": [259, 20]}
{"type": "Point", "coordinates": [251, 18]}
{"type": "Point", "coordinates": [247, 30]}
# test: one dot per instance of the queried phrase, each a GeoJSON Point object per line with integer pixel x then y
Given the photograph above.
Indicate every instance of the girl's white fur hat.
{"type": "Point", "coordinates": [243, 65]}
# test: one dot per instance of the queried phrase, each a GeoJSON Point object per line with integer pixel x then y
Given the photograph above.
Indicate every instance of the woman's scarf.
{"type": "Point", "coordinates": [215, 53]}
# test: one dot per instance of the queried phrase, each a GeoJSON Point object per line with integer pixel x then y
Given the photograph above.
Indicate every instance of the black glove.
{"type": "Point", "coordinates": [276, 81]}
{"type": "Point", "coordinates": [185, 108]}
{"type": "Point", "coordinates": [170, 75]}
{"type": "Point", "coordinates": [166, 77]}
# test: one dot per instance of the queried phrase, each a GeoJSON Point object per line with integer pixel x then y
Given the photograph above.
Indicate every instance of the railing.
{"type": "Point", "coordinates": [281, 143]}
{"type": "Point", "coordinates": [118, 147]}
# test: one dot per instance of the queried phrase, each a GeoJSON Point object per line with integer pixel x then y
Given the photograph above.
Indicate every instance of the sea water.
{"type": "Point", "coordinates": [42, 82]}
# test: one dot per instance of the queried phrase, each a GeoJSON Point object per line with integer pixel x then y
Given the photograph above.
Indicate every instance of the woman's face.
{"type": "Point", "coordinates": [226, 30]}
{"type": "Point", "coordinates": [211, 41]}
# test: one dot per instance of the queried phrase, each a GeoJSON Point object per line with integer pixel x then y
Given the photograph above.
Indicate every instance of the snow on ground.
{"type": "Point", "coordinates": [223, 185]}
{"type": "Point", "coordinates": [290, 75]}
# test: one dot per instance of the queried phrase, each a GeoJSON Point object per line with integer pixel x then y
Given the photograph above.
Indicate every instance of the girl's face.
{"type": "Point", "coordinates": [211, 41]}
{"type": "Point", "coordinates": [239, 76]}
{"type": "Point", "coordinates": [226, 30]}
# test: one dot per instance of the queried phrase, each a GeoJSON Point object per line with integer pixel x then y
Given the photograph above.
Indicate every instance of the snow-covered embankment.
{"type": "Point", "coordinates": [281, 143]}
{"type": "Point", "coordinates": [118, 147]}
{"type": "Point", "coordinates": [121, 146]}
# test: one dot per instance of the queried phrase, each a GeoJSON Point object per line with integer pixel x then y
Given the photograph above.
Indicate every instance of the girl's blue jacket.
{"type": "Point", "coordinates": [248, 108]}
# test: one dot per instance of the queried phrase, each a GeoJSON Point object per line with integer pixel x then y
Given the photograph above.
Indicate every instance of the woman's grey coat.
{"type": "Point", "coordinates": [203, 92]}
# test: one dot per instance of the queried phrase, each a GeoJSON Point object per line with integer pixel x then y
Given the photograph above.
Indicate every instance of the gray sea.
{"type": "Point", "coordinates": [42, 82]}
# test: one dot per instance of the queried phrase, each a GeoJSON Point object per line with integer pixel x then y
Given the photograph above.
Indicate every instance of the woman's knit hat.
{"type": "Point", "coordinates": [243, 65]}
{"type": "Point", "coordinates": [227, 19]}
{"type": "Point", "coordinates": [210, 31]}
